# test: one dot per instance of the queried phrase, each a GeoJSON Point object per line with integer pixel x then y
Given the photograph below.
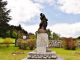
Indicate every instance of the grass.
{"type": "Point", "coordinates": [1, 40]}
{"type": "Point", "coordinates": [5, 53]}
{"type": "Point", "coordinates": [67, 54]}
{"type": "Point", "coordinates": [78, 40]}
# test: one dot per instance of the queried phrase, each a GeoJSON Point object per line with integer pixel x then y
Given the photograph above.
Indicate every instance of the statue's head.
{"type": "Point", "coordinates": [40, 14]}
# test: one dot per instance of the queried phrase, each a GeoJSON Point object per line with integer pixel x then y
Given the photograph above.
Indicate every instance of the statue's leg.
{"type": "Point", "coordinates": [44, 27]}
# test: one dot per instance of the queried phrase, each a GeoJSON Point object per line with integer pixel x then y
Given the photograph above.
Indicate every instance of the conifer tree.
{"type": "Point", "coordinates": [4, 18]}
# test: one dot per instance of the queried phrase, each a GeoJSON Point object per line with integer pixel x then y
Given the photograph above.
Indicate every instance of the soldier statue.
{"type": "Point", "coordinates": [43, 24]}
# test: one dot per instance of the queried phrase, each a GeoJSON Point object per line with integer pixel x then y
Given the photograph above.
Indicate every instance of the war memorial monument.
{"type": "Point", "coordinates": [42, 52]}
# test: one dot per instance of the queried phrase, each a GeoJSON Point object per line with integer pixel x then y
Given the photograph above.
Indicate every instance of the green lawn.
{"type": "Point", "coordinates": [78, 39]}
{"type": "Point", "coordinates": [4, 53]}
{"type": "Point", "coordinates": [67, 54]}
{"type": "Point", "coordinates": [1, 40]}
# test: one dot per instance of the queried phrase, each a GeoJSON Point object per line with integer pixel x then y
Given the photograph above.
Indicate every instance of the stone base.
{"type": "Point", "coordinates": [42, 31]}
{"type": "Point", "coordinates": [47, 50]}
{"type": "Point", "coordinates": [58, 58]}
{"type": "Point", "coordinates": [47, 55]}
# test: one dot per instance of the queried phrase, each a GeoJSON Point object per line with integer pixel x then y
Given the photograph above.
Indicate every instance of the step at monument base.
{"type": "Point", "coordinates": [47, 55]}
{"type": "Point", "coordinates": [58, 58]}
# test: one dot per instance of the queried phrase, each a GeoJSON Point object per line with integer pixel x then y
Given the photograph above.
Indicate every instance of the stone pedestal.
{"type": "Point", "coordinates": [42, 52]}
{"type": "Point", "coordinates": [42, 42]}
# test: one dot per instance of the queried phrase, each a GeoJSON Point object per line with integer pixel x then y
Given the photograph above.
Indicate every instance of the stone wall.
{"type": "Point", "coordinates": [79, 44]}
{"type": "Point", "coordinates": [55, 43]}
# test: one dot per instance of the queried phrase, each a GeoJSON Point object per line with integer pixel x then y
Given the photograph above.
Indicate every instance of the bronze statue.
{"type": "Point", "coordinates": [43, 24]}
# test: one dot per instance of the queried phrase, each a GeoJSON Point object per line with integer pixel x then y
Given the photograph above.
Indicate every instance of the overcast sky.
{"type": "Point", "coordinates": [63, 15]}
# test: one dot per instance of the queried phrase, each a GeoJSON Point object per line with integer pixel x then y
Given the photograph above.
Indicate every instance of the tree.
{"type": "Point", "coordinates": [36, 34]}
{"type": "Point", "coordinates": [14, 35]}
{"type": "Point", "coordinates": [8, 33]}
{"type": "Point", "coordinates": [49, 33]}
{"type": "Point", "coordinates": [4, 18]}
{"type": "Point", "coordinates": [11, 30]}
{"type": "Point", "coordinates": [33, 37]}
{"type": "Point", "coordinates": [56, 36]}
{"type": "Point", "coordinates": [78, 37]}
{"type": "Point", "coordinates": [20, 31]}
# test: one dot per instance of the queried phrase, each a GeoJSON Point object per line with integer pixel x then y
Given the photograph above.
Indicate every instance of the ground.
{"type": "Point", "coordinates": [5, 53]}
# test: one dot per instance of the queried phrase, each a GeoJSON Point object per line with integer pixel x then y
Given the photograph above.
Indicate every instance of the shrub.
{"type": "Point", "coordinates": [69, 44]}
{"type": "Point", "coordinates": [19, 43]}
{"type": "Point", "coordinates": [7, 41]}
{"type": "Point", "coordinates": [24, 45]}
{"type": "Point", "coordinates": [31, 43]}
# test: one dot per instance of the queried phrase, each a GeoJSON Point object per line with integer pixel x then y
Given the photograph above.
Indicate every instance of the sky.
{"type": "Point", "coordinates": [63, 15]}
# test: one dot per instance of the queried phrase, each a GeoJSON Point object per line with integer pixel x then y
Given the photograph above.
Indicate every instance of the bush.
{"type": "Point", "coordinates": [24, 45]}
{"type": "Point", "coordinates": [31, 43]}
{"type": "Point", "coordinates": [69, 44]}
{"type": "Point", "coordinates": [19, 43]}
{"type": "Point", "coordinates": [7, 41]}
